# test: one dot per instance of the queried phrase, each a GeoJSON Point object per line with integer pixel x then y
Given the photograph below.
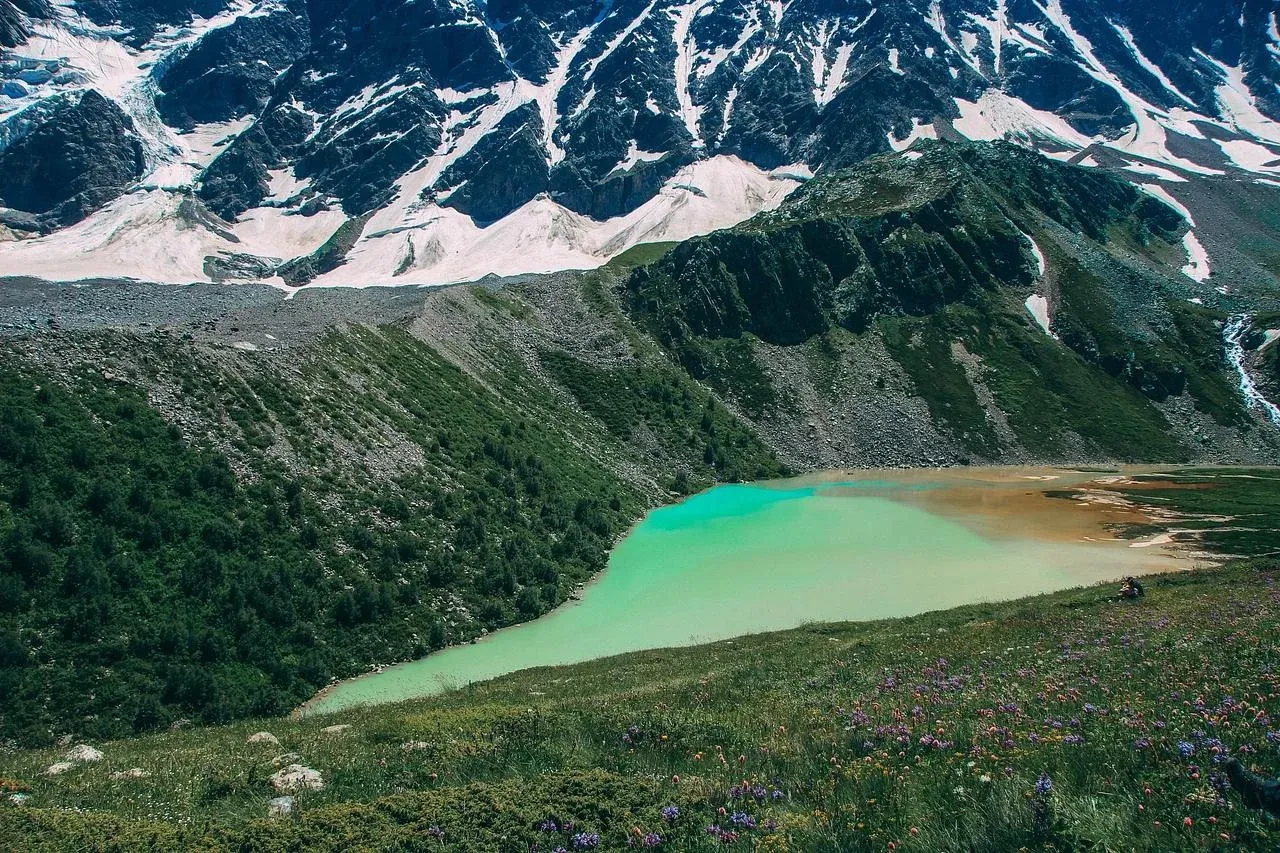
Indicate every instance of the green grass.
{"type": "Point", "coordinates": [928, 732]}
{"type": "Point", "coordinates": [1047, 390]}
{"type": "Point", "coordinates": [923, 348]}
{"type": "Point", "coordinates": [1247, 499]}
{"type": "Point", "coordinates": [680, 413]}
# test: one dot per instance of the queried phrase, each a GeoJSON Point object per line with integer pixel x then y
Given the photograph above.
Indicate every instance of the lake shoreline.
{"type": "Point", "coordinates": [1014, 486]}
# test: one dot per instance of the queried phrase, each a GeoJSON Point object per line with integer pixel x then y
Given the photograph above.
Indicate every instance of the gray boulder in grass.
{"type": "Point", "coordinates": [295, 777]}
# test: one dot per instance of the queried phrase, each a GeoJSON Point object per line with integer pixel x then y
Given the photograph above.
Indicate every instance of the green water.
{"type": "Point", "coordinates": [746, 559]}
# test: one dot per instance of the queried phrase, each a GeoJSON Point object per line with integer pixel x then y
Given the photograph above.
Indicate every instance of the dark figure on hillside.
{"type": "Point", "coordinates": [1257, 792]}
{"type": "Point", "coordinates": [1132, 589]}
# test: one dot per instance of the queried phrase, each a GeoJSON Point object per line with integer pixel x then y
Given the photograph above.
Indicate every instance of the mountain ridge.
{"type": "Point", "coordinates": [441, 122]}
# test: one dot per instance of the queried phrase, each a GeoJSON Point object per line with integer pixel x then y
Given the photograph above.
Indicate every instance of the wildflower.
{"type": "Point", "coordinates": [651, 839]}
{"type": "Point", "coordinates": [1044, 784]}
{"type": "Point", "coordinates": [436, 832]}
{"type": "Point", "coordinates": [670, 813]}
{"type": "Point", "coordinates": [743, 819]}
{"type": "Point", "coordinates": [1186, 749]}
{"type": "Point", "coordinates": [586, 841]}
{"type": "Point", "coordinates": [1142, 743]}
{"type": "Point", "coordinates": [1186, 821]}
{"type": "Point", "coordinates": [548, 825]}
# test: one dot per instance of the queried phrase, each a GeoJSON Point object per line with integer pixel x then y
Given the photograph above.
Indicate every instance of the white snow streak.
{"type": "Point", "coordinates": [1164, 195]}
{"type": "Point", "coordinates": [1038, 308]}
{"type": "Point", "coordinates": [1154, 70]}
{"type": "Point", "coordinates": [1197, 267]}
{"type": "Point", "coordinates": [683, 16]}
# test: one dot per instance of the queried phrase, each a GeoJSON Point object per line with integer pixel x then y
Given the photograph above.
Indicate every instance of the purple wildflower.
{"type": "Point", "coordinates": [651, 839]}
{"type": "Point", "coordinates": [670, 813]}
{"type": "Point", "coordinates": [586, 841]}
{"type": "Point", "coordinates": [1186, 749]}
{"type": "Point", "coordinates": [1044, 785]}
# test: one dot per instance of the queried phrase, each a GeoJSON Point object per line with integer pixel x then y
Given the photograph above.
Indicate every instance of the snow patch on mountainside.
{"type": "Point", "coordinates": [1041, 266]}
{"type": "Point", "coordinates": [996, 115]}
{"type": "Point", "coordinates": [1165, 196]}
{"type": "Point", "coordinates": [543, 236]}
{"type": "Point", "coordinates": [1197, 267]}
{"type": "Point", "coordinates": [1038, 308]}
{"type": "Point", "coordinates": [918, 131]}
{"type": "Point", "coordinates": [682, 20]}
{"type": "Point", "coordinates": [152, 236]}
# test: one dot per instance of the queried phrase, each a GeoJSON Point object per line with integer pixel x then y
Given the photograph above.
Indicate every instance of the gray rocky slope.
{"type": "Point", "coordinates": [882, 316]}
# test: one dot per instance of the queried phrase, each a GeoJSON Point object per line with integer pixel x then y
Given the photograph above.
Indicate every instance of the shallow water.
{"type": "Point", "coordinates": [749, 558]}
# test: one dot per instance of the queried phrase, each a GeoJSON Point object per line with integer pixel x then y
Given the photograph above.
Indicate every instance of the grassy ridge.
{"type": "Point", "coordinates": [930, 733]}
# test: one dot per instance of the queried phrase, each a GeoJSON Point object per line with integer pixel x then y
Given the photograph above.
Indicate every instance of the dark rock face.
{"type": "Point", "coordinates": [142, 18]}
{"type": "Point", "coordinates": [827, 83]}
{"type": "Point", "coordinates": [600, 105]}
{"type": "Point", "coordinates": [237, 180]}
{"type": "Point", "coordinates": [231, 72]}
{"type": "Point", "coordinates": [14, 15]}
{"type": "Point", "coordinates": [82, 154]}
{"type": "Point", "coordinates": [486, 193]}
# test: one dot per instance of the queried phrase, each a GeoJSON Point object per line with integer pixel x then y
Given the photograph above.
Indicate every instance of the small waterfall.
{"type": "Point", "coordinates": [1233, 336]}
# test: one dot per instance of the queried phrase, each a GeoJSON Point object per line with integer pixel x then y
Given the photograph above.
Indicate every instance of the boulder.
{"type": "Point", "coordinates": [280, 807]}
{"type": "Point", "coordinates": [295, 777]}
{"type": "Point", "coordinates": [60, 767]}
{"type": "Point", "coordinates": [263, 737]}
{"type": "Point", "coordinates": [35, 76]}
{"type": "Point", "coordinates": [83, 752]}
{"type": "Point", "coordinates": [336, 730]}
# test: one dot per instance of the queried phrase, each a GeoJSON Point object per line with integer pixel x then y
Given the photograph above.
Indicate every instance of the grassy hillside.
{"type": "Point", "coordinates": [357, 501]}
{"type": "Point", "coordinates": [207, 518]}
{"type": "Point", "coordinates": [1064, 722]}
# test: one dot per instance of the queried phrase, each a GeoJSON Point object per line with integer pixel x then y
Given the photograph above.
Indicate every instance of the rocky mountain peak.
{"type": "Point", "coordinates": [453, 131]}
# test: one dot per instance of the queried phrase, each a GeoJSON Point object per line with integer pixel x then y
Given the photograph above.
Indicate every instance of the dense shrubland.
{"type": "Point", "coordinates": [146, 576]}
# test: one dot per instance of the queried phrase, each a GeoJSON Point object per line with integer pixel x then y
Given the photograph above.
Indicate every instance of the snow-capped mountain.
{"type": "Point", "coordinates": [428, 141]}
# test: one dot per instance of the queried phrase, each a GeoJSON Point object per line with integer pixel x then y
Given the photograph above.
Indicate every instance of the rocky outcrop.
{"type": "Point", "coordinates": [232, 71]}
{"type": "Point", "coordinates": [68, 157]}
{"type": "Point", "coordinates": [475, 186]}
{"type": "Point", "coordinates": [15, 16]}
{"type": "Point", "coordinates": [894, 236]}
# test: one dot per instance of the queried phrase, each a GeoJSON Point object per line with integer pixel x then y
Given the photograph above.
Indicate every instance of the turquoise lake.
{"type": "Point", "coordinates": [743, 559]}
